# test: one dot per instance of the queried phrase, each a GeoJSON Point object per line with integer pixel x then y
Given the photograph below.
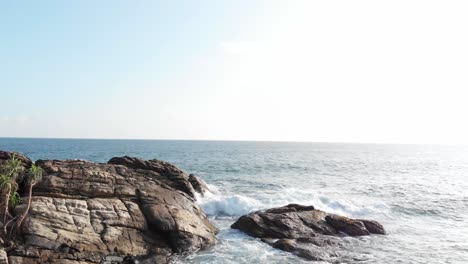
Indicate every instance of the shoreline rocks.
{"type": "Point", "coordinates": [84, 212]}
{"type": "Point", "coordinates": [303, 230]}
{"type": "Point", "coordinates": [131, 210]}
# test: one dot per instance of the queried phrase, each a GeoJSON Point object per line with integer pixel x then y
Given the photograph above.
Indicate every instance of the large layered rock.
{"type": "Point", "coordinates": [84, 212]}
{"type": "Point", "coordinates": [304, 231]}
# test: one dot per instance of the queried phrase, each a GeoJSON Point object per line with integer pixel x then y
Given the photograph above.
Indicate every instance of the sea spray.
{"type": "Point", "coordinates": [217, 203]}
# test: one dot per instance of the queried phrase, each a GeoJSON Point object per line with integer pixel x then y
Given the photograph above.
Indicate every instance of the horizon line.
{"type": "Point", "coordinates": [244, 140]}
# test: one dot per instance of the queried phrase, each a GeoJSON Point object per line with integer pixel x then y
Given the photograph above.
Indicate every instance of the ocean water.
{"type": "Point", "coordinates": [418, 192]}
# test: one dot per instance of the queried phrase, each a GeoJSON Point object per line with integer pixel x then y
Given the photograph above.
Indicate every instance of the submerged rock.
{"type": "Point", "coordinates": [123, 211]}
{"type": "Point", "coordinates": [303, 230]}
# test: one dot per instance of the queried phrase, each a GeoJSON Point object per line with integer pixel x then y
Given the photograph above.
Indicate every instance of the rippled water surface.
{"type": "Point", "coordinates": [419, 193]}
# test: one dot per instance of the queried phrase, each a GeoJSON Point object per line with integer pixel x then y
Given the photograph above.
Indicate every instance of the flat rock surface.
{"type": "Point", "coordinates": [303, 230]}
{"type": "Point", "coordinates": [84, 212]}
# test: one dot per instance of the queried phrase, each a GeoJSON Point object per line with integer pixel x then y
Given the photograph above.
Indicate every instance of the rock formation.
{"type": "Point", "coordinates": [302, 230]}
{"type": "Point", "coordinates": [198, 184]}
{"type": "Point", "coordinates": [117, 212]}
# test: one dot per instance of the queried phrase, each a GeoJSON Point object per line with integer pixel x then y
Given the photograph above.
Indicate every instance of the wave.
{"type": "Point", "coordinates": [216, 203]}
{"type": "Point", "coordinates": [230, 205]}
{"type": "Point", "coordinates": [415, 211]}
{"type": "Point", "coordinates": [343, 207]}
{"type": "Point", "coordinates": [326, 203]}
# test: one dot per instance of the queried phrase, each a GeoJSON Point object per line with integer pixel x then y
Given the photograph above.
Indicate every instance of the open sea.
{"type": "Point", "coordinates": [418, 192]}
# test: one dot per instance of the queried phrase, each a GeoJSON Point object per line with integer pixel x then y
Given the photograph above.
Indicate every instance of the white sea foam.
{"type": "Point", "coordinates": [343, 207]}
{"type": "Point", "coordinates": [220, 204]}
{"type": "Point", "coordinates": [325, 203]}
{"type": "Point", "coordinates": [215, 203]}
{"type": "Point", "coordinates": [229, 205]}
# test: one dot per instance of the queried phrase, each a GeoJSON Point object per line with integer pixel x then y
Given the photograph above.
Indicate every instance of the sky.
{"type": "Point", "coordinates": [321, 71]}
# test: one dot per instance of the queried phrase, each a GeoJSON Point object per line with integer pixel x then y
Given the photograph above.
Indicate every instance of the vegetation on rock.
{"type": "Point", "coordinates": [13, 172]}
{"type": "Point", "coordinates": [34, 175]}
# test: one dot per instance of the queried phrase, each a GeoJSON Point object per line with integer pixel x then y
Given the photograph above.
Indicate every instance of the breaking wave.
{"type": "Point", "coordinates": [216, 203]}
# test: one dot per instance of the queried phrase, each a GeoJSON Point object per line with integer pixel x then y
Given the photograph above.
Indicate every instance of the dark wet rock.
{"type": "Point", "coordinates": [348, 226]}
{"type": "Point", "coordinates": [299, 248]}
{"type": "Point", "coordinates": [284, 244]}
{"type": "Point", "coordinates": [198, 184]}
{"type": "Point", "coordinates": [303, 230]}
{"type": "Point", "coordinates": [321, 241]}
{"type": "Point", "coordinates": [373, 226]}
{"type": "Point", "coordinates": [129, 260]}
{"type": "Point", "coordinates": [299, 207]}
{"type": "Point", "coordinates": [311, 254]}
{"type": "Point", "coordinates": [123, 211]}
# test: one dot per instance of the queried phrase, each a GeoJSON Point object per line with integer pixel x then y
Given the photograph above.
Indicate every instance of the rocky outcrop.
{"type": "Point", "coordinates": [303, 230]}
{"type": "Point", "coordinates": [84, 212]}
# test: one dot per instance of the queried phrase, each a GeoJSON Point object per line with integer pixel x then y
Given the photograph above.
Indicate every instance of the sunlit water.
{"type": "Point", "coordinates": [419, 193]}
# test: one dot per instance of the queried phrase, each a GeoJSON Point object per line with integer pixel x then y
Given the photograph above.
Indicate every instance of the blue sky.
{"type": "Point", "coordinates": [236, 70]}
{"type": "Point", "coordinates": [68, 60]}
{"type": "Point", "coordinates": [63, 55]}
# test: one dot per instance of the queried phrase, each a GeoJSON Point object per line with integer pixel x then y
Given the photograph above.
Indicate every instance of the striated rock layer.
{"type": "Point", "coordinates": [84, 212]}
{"type": "Point", "coordinates": [304, 231]}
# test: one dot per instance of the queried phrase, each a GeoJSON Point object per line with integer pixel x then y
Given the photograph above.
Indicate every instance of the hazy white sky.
{"type": "Point", "coordinates": [347, 71]}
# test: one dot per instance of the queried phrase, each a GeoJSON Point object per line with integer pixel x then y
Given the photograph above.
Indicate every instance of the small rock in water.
{"type": "Point", "coordinates": [303, 230]}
